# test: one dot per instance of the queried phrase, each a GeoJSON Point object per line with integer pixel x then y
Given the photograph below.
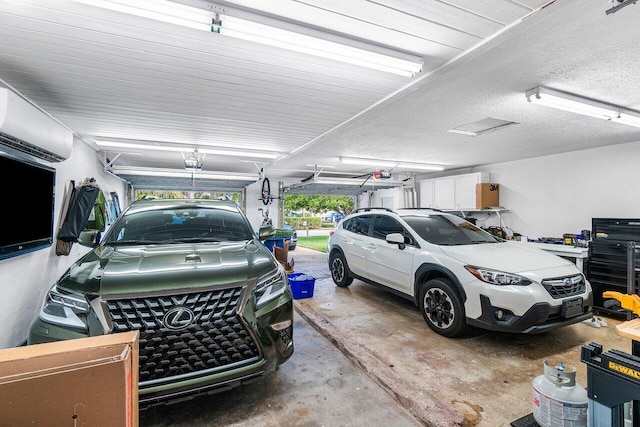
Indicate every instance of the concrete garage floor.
{"type": "Point", "coordinates": [318, 386]}
{"type": "Point", "coordinates": [391, 368]}
{"type": "Point", "coordinates": [482, 379]}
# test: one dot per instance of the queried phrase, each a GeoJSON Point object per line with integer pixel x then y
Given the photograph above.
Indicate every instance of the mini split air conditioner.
{"type": "Point", "coordinates": [25, 128]}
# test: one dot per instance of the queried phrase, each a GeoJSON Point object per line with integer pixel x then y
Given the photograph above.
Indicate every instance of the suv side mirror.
{"type": "Point", "coordinates": [396, 238]}
{"type": "Point", "coordinates": [266, 231]}
{"type": "Point", "coordinates": [89, 238]}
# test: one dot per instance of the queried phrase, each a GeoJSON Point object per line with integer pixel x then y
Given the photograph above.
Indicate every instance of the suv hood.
{"type": "Point", "coordinates": [157, 268]}
{"type": "Point", "coordinates": [511, 258]}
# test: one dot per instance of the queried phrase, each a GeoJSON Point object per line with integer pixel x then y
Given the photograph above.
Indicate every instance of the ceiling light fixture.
{"type": "Point", "coordinates": [262, 29]}
{"type": "Point", "coordinates": [174, 173]}
{"type": "Point", "coordinates": [177, 148]}
{"type": "Point", "coordinates": [390, 164]}
{"type": "Point", "coordinates": [620, 5]}
{"type": "Point", "coordinates": [355, 181]}
{"type": "Point", "coordinates": [585, 106]}
{"type": "Point", "coordinates": [463, 132]}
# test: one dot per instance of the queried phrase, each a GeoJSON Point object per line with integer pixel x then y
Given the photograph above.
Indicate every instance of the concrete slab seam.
{"type": "Point", "coordinates": [429, 410]}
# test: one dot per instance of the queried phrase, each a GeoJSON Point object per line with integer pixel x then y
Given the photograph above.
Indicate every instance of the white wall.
{"type": "Point", "coordinates": [552, 195]}
{"type": "Point", "coordinates": [381, 198]}
{"type": "Point", "coordinates": [25, 279]}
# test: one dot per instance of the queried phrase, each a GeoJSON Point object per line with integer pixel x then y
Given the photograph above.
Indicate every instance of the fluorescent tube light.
{"type": "Point", "coordinates": [367, 162]}
{"type": "Point", "coordinates": [176, 148]}
{"type": "Point", "coordinates": [463, 132]}
{"type": "Point", "coordinates": [159, 10]}
{"type": "Point", "coordinates": [356, 181]}
{"type": "Point", "coordinates": [588, 107]}
{"type": "Point", "coordinates": [261, 29]}
{"type": "Point", "coordinates": [628, 119]}
{"type": "Point", "coordinates": [173, 173]}
{"type": "Point", "coordinates": [408, 65]}
{"type": "Point", "coordinates": [390, 163]}
{"type": "Point", "coordinates": [419, 166]}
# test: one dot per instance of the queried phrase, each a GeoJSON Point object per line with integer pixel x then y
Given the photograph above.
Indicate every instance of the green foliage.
{"type": "Point", "coordinates": [312, 222]}
{"type": "Point", "coordinates": [318, 204]}
{"type": "Point", "coordinates": [281, 232]}
{"type": "Point", "coordinates": [317, 243]}
{"type": "Point", "coordinates": [186, 195]}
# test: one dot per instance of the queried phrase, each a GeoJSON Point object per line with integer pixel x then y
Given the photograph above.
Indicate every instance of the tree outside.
{"type": "Point", "coordinates": [186, 195]}
{"type": "Point", "coordinates": [315, 205]}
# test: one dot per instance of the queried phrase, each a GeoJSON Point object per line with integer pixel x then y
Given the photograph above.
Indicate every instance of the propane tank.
{"type": "Point", "coordinates": [558, 401]}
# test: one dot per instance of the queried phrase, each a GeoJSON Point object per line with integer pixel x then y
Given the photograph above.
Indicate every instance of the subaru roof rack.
{"type": "Point", "coordinates": [374, 209]}
{"type": "Point", "coordinates": [427, 209]}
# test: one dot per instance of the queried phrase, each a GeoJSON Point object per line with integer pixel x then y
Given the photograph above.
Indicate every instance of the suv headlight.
{"type": "Point", "coordinates": [270, 287]}
{"type": "Point", "coordinates": [496, 277]}
{"type": "Point", "coordinates": [65, 308]}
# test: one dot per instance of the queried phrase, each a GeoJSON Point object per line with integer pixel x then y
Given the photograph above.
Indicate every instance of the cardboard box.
{"type": "Point", "coordinates": [487, 195]}
{"type": "Point", "coordinates": [88, 381]}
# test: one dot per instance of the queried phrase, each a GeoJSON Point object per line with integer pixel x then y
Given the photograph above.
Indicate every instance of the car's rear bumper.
{"type": "Point", "coordinates": [539, 318]}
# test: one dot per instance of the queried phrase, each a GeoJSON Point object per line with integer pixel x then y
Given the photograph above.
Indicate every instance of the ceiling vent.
{"type": "Point", "coordinates": [25, 128]}
{"type": "Point", "coordinates": [490, 124]}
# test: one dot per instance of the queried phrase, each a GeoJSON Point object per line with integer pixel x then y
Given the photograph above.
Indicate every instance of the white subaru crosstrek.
{"type": "Point", "coordinates": [458, 274]}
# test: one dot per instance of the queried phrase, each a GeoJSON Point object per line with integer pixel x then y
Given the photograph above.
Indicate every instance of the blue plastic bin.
{"type": "Point", "coordinates": [301, 285]}
{"type": "Point", "coordinates": [271, 242]}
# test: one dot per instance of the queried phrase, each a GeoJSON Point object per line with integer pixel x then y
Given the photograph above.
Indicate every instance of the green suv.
{"type": "Point", "coordinates": [212, 304]}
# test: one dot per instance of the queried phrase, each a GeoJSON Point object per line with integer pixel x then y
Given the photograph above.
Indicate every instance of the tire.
{"type": "Point", "coordinates": [266, 191]}
{"type": "Point", "coordinates": [442, 308]}
{"type": "Point", "coordinates": [339, 270]}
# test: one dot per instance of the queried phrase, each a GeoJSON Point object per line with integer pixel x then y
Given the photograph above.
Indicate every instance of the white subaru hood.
{"type": "Point", "coordinates": [512, 258]}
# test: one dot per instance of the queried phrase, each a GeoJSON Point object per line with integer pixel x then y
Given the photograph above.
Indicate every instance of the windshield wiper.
{"type": "Point", "coordinates": [195, 240]}
{"type": "Point", "coordinates": [132, 242]}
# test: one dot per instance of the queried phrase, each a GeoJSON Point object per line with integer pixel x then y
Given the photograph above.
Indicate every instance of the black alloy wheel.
{"type": "Point", "coordinates": [442, 308]}
{"type": "Point", "coordinates": [339, 270]}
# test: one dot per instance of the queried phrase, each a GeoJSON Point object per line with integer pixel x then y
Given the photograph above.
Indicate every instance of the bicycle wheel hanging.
{"type": "Point", "coordinates": [266, 191]}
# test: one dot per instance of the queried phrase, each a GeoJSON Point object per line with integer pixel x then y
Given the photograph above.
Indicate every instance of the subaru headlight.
{"type": "Point", "coordinates": [496, 277]}
{"type": "Point", "coordinates": [65, 308]}
{"type": "Point", "coordinates": [270, 287]}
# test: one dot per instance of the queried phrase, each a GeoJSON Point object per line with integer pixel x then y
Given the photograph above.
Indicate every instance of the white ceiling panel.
{"type": "Point", "coordinates": [112, 75]}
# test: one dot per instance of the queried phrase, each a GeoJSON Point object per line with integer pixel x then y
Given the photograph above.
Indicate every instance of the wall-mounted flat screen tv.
{"type": "Point", "coordinates": [27, 211]}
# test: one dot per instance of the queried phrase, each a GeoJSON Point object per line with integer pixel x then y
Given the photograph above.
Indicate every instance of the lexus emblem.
{"type": "Point", "coordinates": [178, 318]}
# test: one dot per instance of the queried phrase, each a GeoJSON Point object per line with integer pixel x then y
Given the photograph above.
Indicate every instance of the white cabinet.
{"type": "Point", "coordinates": [426, 193]}
{"type": "Point", "coordinates": [457, 192]}
{"type": "Point", "coordinates": [444, 193]}
{"type": "Point", "coordinates": [465, 191]}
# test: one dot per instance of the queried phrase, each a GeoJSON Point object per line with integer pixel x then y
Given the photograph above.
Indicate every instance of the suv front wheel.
{"type": "Point", "coordinates": [339, 270]}
{"type": "Point", "coordinates": [442, 308]}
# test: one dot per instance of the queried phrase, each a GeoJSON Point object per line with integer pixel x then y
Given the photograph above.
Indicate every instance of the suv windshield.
{"type": "Point", "coordinates": [448, 230]}
{"type": "Point", "coordinates": [184, 223]}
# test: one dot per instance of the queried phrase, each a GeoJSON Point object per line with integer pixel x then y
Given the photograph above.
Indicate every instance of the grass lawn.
{"type": "Point", "coordinates": [317, 243]}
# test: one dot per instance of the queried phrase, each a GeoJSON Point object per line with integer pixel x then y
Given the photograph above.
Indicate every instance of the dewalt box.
{"type": "Point", "coordinates": [487, 195]}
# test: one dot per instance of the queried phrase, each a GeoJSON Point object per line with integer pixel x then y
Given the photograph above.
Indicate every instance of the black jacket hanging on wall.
{"type": "Point", "coordinates": [80, 207]}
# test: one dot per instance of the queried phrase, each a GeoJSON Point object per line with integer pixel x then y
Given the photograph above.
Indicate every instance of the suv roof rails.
{"type": "Point", "coordinates": [373, 209]}
{"type": "Point", "coordinates": [426, 209]}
